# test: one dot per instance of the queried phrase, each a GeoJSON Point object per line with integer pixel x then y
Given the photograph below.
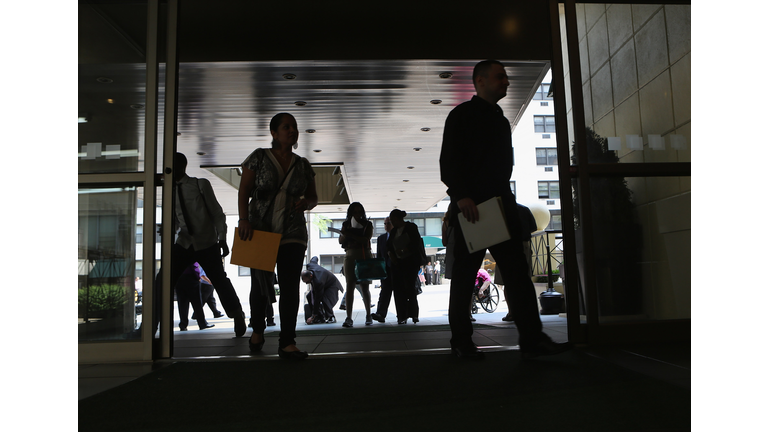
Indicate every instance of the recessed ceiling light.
{"type": "Point", "coordinates": [201, 153]}
{"type": "Point", "coordinates": [426, 129]}
{"type": "Point", "coordinates": [446, 75]}
{"type": "Point", "coordinates": [406, 181]}
{"type": "Point", "coordinates": [104, 80]}
{"type": "Point", "coordinates": [402, 191]}
{"type": "Point", "coordinates": [398, 199]}
{"type": "Point", "coordinates": [317, 150]}
{"type": "Point", "coordinates": [417, 148]}
{"type": "Point", "coordinates": [299, 103]}
{"type": "Point", "coordinates": [310, 131]}
{"type": "Point", "coordinates": [410, 167]}
{"type": "Point", "coordinates": [289, 76]}
{"type": "Point", "coordinates": [435, 101]}
{"type": "Point", "coordinates": [137, 106]}
{"type": "Point", "coordinates": [110, 101]}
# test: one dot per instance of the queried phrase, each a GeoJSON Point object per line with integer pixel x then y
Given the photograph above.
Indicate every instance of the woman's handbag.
{"type": "Point", "coordinates": [370, 269]}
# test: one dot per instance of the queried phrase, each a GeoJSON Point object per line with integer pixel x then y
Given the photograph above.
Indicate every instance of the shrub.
{"type": "Point", "coordinates": [101, 297]}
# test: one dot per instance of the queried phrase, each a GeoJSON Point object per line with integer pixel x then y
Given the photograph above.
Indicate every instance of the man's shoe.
{"type": "Point", "coordinates": [405, 321]}
{"type": "Point", "coordinates": [368, 320]}
{"type": "Point", "coordinates": [331, 320]}
{"type": "Point", "coordinates": [292, 355]}
{"type": "Point", "coordinates": [377, 317]}
{"type": "Point", "coordinates": [544, 348]}
{"type": "Point", "coordinates": [218, 314]}
{"type": "Point", "coordinates": [348, 322]}
{"type": "Point", "coordinates": [343, 307]}
{"type": "Point", "coordinates": [415, 320]}
{"type": "Point", "coordinates": [240, 326]}
{"type": "Point", "coordinates": [508, 317]}
{"type": "Point", "coordinates": [271, 322]}
{"type": "Point", "coordinates": [468, 353]}
{"type": "Point", "coordinates": [205, 326]}
{"type": "Point", "coordinates": [182, 329]}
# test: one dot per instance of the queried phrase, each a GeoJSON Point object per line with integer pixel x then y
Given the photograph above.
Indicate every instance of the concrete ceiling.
{"type": "Point", "coordinates": [380, 121]}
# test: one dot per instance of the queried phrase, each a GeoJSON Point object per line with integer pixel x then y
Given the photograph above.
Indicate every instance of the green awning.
{"type": "Point", "coordinates": [434, 242]}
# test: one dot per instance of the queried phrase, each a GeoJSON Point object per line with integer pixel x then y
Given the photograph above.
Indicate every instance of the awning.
{"type": "Point", "coordinates": [434, 242]}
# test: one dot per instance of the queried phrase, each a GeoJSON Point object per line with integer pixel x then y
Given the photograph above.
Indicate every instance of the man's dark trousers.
{"type": "Point", "coordinates": [385, 295]}
{"type": "Point", "coordinates": [188, 292]}
{"type": "Point", "coordinates": [513, 267]}
{"type": "Point", "coordinates": [210, 260]}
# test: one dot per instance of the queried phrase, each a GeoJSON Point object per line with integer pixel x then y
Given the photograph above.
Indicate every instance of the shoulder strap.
{"type": "Point", "coordinates": [203, 195]}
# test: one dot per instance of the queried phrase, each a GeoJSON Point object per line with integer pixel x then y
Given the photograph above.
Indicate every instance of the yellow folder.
{"type": "Point", "coordinates": [260, 252]}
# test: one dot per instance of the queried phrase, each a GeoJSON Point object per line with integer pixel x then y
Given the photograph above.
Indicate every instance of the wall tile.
{"type": "Point", "coordinates": [581, 22]}
{"type": "Point", "coordinates": [681, 90]}
{"type": "Point", "coordinates": [674, 213]}
{"type": "Point", "coordinates": [619, 20]}
{"type": "Point", "coordinates": [602, 93]}
{"type": "Point", "coordinates": [588, 117]}
{"type": "Point", "coordinates": [641, 13]}
{"type": "Point", "coordinates": [624, 73]}
{"type": "Point", "coordinates": [605, 127]}
{"type": "Point", "coordinates": [584, 60]}
{"type": "Point", "coordinates": [597, 41]}
{"type": "Point", "coordinates": [656, 106]}
{"type": "Point", "coordinates": [627, 120]}
{"type": "Point", "coordinates": [678, 19]}
{"type": "Point", "coordinates": [662, 187]}
{"type": "Point", "coordinates": [685, 155]}
{"type": "Point", "coordinates": [651, 48]}
{"type": "Point", "coordinates": [593, 12]}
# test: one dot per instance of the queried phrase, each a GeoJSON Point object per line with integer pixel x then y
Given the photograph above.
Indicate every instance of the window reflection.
{"type": "Point", "coordinates": [109, 291]}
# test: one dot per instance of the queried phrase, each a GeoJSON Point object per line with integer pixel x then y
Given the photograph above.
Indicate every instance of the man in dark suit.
{"type": "Point", "coordinates": [324, 294]}
{"type": "Point", "coordinates": [385, 296]}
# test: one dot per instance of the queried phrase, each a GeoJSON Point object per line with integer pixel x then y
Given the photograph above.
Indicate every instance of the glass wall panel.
{"type": "Point", "coordinates": [636, 81]}
{"type": "Point", "coordinates": [109, 290]}
{"type": "Point", "coordinates": [642, 241]}
{"type": "Point", "coordinates": [111, 86]}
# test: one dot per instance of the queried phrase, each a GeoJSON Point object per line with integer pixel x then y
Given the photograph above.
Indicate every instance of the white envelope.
{"type": "Point", "coordinates": [489, 230]}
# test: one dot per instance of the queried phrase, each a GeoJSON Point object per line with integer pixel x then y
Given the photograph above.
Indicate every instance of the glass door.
{"type": "Point", "coordinates": [118, 206]}
{"type": "Point", "coordinates": [626, 92]}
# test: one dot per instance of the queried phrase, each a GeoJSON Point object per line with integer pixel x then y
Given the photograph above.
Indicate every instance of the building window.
{"type": "Point", "coordinates": [555, 221]}
{"type": "Point", "coordinates": [546, 136]}
{"type": "Point", "coordinates": [513, 188]}
{"type": "Point", "coordinates": [543, 92]}
{"type": "Point", "coordinates": [336, 223]}
{"type": "Point", "coordinates": [543, 123]}
{"type": "Point", "coordinates": [243, 271]}
{"type": "Point", "coordinates": [332, 263]}
{"type": "Point", "coordinates": [546, 156]}
{"type": "Point", "coordinates": [549, 189]}
{"type": "Point", "coordinates": [434, 226]}
{"type": "Point", "coordinates": [139, 233]}
{"type": "Point", "coordinates": [420, 222]}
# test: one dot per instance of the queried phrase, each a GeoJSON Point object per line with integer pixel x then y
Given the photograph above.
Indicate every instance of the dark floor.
{"type": "Point", "coordinates": [670, 362]}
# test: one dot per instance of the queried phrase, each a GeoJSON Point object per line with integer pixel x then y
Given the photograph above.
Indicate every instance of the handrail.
{"type": "Point", "coordinates": [543, 253]}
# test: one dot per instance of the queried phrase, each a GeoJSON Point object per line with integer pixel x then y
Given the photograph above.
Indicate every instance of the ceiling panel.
{"type": "Point", "coordinates": [377, 119]}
